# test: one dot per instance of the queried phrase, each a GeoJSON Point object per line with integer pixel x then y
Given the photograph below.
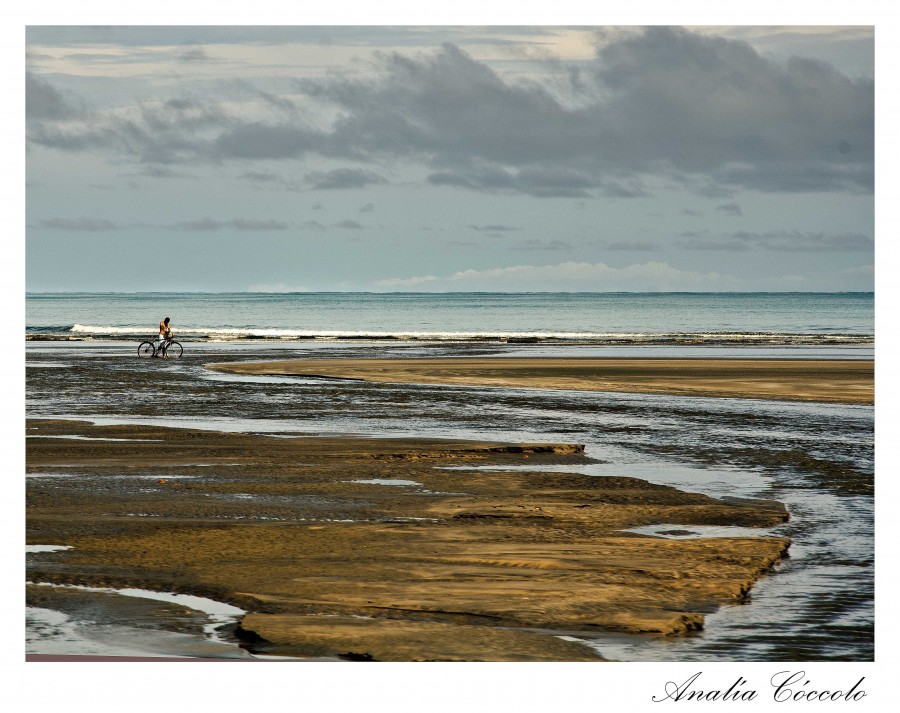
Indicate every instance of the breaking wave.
{"type": "Point", "coordinates": [87, 331]}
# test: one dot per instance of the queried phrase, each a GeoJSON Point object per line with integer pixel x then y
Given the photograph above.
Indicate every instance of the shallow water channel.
{"type": "Point", "coordinates": [817, 459]}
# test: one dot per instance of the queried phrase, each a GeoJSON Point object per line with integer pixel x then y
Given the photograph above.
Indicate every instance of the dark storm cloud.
{"type": "Point", "coordinates": [278, 102]}
{"type": "Point", "coordinates": [348, 225]}
{"type": "Point", "coordinates": [270, 180]}
{"type": "Point", "coordinates": [706, 112]}
{"type": "Point", "coordinates": [553, 182]}
{"type": "Point", "coordinates": [174, 131]}
{"type": "Point", "coordinates": [540, 183]}
{"type": "Point", "coordinates": [633, 246]}
{"type": "Point", "coordinates": [704, 241]}
{"type": "Point", "coordinates": [264, 141]}
{"type": "Point", "coordinates": [777, 241]}
{"type": "Point", "coordinates": [43, 102]}
{"type": "Point", "coordinates": [341, 178]}
{"type": "Point", "coordinates": [493, 228]}
{"type": "Point", "coordinates": [161, 172]}
{"type": "Point", "coordinates": [533, 244]}
{"type": "Point", "coordinates": [79, 225]}
{"type": "Point", "coordinates": [49, 135]}
{"type": "Point", "coordinates": [707, 104]}
{"type": "Point", "coordinates": [203, 225]}
{"type": "Point", "coordinates": [480, 180]}
{"type": "Point", "coordinates": [206, 225]}
{"type": "Point", "coordinates": [784, 176]}
{"type": "Point", "coordinates": [446, 103]}
{"type": "Point", "coordinates": [193, 54]}
{"type": "Point", "coordinates": [257, 225]}
{"type": "Point", "coordinates": [262, 177]}
{"type": "Point", "coordinates": [661, 101]}
{"type": "Point", "coordinates": [732, 209]}
{"type": "Point", "coordinates": [178, 130]}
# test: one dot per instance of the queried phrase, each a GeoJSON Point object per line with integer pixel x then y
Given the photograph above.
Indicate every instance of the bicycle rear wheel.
{"type": "Point", "coordinates": [146, 349]}
{"type": "Point", "coordinates": [173, 349]}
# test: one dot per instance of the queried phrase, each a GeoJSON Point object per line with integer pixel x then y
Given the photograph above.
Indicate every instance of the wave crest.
{"type": "Point", "coordinates": [268, 333]}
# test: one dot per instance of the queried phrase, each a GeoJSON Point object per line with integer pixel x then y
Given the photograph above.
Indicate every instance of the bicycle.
{"type": "Point", "coordinates": [169, 348]}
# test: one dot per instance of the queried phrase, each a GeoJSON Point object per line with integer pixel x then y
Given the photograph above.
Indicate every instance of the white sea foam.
{"type": "Point", "coordinates": [214, 333]}
{"type": "Point", "coordinates": [386, 481]}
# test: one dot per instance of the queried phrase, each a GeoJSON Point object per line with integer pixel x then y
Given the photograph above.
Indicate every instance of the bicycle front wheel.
{"type": "Point", "coordinates": [174, 349]}
{"type": "Point", "coordinates": [146, 349]}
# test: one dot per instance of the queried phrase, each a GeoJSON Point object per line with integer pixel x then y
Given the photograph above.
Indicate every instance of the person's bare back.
{"type": "Point", "coordinates": [165, 336]}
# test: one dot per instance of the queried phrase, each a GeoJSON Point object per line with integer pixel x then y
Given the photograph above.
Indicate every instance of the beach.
{"type": "Point", "coordinates": [428, 544]}
{"type": "Point", "coordinates": [401, 478]}
{"type": "Point", "coordinates": [343, 547]}
{"type": "Point", "coordinates": [793, 380]}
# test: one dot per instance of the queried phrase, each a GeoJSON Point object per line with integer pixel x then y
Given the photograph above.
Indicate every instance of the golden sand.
{"type": "Point", "coordinates": [328, 561]}
{"type": "Point", "coordinates": [834, 381]}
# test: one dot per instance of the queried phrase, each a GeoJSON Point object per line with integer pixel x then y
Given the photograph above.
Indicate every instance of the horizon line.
{"type": "Point", "coordinates": [451, 292]}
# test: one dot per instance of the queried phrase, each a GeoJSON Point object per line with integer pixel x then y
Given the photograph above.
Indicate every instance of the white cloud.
{"type": "Point", "coordinates": [652, 276]}
{"type": "Point", "coordinates": [573, 277]}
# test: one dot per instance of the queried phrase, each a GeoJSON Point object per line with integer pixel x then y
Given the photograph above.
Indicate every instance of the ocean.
{"type": "Point", "coordinates": [603, 318]}
{"type": "Point", "coordinates": [817, 459]}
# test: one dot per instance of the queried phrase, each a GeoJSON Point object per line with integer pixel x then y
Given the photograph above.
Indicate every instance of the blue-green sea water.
{"type": "Point", "coordinates": [734, 318]}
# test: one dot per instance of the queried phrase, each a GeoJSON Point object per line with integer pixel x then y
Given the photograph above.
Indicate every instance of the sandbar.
{"type": "Point", "coordinates": [832, 381]}
{"type": "Point", "coordinates": [464, 565]}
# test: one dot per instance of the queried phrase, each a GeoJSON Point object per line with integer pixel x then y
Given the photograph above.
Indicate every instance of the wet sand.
{"type": "Point", "coordinates": [849, 382]}
{"type": "Point", "coordinates": [448, 565]}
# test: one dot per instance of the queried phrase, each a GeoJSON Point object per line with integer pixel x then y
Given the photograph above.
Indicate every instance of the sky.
{"type": "Point", "coordinates": [449, 158]}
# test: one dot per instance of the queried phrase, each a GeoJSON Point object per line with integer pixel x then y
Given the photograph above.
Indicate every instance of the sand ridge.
{"type": "Point", "coordinates": [467, 565]}
{"type": "Point", "coordinates": [835, 381]}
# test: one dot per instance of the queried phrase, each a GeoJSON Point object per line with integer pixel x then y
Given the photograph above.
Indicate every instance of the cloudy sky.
{"type": "Point", "coordinates": [449, 158]}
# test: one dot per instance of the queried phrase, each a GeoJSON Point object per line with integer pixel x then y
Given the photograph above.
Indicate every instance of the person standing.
{"type": "Point", "coordinates": [165, 335]}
